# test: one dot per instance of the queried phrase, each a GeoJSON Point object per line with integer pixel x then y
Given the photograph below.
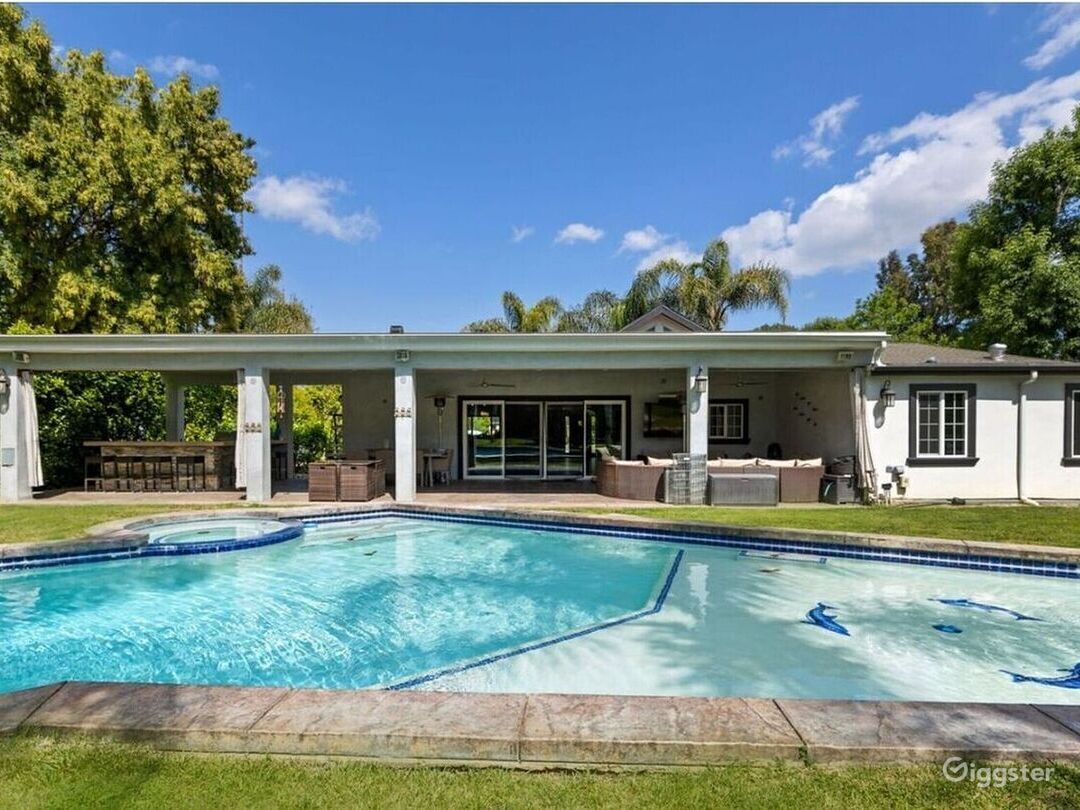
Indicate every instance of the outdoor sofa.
{"type": "Point", "coordinates": [800, 479]}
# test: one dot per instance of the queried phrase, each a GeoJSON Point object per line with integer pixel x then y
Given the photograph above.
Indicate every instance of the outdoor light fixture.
{"type": "Point", "coordinates": [701, 381]}
{"type": "Point", "coordinates": [5, 383]}
{"type": "Point", "coordinates": [888, 396]}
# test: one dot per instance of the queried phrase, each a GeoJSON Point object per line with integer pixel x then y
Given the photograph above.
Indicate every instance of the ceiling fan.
{"type": "Point", "coordinates": [485, 384]}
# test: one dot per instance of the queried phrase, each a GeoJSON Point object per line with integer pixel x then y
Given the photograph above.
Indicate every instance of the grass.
{"type": "Point", "coordinates": [1043, 525]}
{"type": "Point", "coordinates": [19, 523]}
{"type": "Point", "coordinates": [83, 773]}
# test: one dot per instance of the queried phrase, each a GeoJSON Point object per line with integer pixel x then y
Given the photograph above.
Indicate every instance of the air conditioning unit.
{"type": "Point", "coordinates": [401, 356]}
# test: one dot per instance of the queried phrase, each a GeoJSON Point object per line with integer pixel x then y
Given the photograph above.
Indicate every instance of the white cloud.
{"type": "Point", "coordinates": [646, 238]}
{"type": "Point", "coordinates": [825, 128]}
{"type": "Point", "coordinates": [173, 65]}
{"type": "Point", "coordinates": [578, 232]}
{"type": "Point", "coordinates": [1062, 25]}
{"type": "Point", "coordinates": [308, 201]}
{"type": "Point", "coordinates": [519, 233]}
{"type": "Point", "coordinates": [931, 168]}
{"type": "Point", "coordinates": [678, 250]}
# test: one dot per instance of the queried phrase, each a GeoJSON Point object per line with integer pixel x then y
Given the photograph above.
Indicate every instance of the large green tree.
{"type": "Point", "coordinates": [120, 201]}
{"type": "Point", "coordinates": [708, 290]}
{"type": "Point", "coordinates": [1017, 274]}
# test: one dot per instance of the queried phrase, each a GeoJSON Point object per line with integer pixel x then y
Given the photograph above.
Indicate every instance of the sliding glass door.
{"type": "Point", "coordinates": [565, 441]}
{"type": "Point", "coordinates": [524, 439]}
{"type": "Point", "coordinates": [541, 438]}
{"type": "Point", "coordinates": [604, 432]}
{"type": "Point", "coordinates": [483, 429]}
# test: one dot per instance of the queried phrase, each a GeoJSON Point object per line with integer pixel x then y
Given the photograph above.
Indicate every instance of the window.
{"type": "Point", "coordinates": [942, 424]}
{"type": "Point", "coordinates": [1072, 425]}
{"type": "Point", "coordinates": [729, 421]}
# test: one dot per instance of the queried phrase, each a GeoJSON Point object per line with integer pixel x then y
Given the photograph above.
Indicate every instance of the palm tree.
{"type": "Point", "coordinates": [601, 311]}
{"type": "Point", "coordinates": [708, 290]}
{"type": "Point", "coordinates": [543, 316]}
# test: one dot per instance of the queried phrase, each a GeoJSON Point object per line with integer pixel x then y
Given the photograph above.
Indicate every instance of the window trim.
{"type": "Point", "coordinates": [745, 438]}
{"type": "Point", "coordinates": [967, 460]}
{"type": "Point", "coordinates": [1072, 402]}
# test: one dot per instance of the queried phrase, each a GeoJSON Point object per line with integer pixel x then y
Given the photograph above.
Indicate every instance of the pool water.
{"type": "Point", "coordinates": [397, 602]}
{"type": "Point", "coordinates": [211, 530]}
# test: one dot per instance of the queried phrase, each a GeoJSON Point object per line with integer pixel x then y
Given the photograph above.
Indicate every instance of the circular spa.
{"type": "Point", "coordinates": [223, 530]}
{"type": "Point", "coordinates": [470, 603]}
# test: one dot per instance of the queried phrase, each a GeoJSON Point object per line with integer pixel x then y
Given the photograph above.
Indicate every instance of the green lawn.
{"type": "Point", "coordinates": [1045, 525]}
{"type": "Point", "coordinates": [44, 772]}
{"type": "Point", "coordinates": [41, 521]}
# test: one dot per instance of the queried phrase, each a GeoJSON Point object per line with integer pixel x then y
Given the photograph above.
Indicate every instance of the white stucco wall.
{"type": "Point", "coordinates": [994, 475]}
{"type": "Point", "coordinates": [368, 406]}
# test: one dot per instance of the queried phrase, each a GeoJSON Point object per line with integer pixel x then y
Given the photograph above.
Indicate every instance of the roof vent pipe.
{"type": "Point", "coordinates": [997, 351]}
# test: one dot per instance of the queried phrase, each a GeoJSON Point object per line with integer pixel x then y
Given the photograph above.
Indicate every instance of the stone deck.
{"type": "Point", "coordinates": [542, 730]}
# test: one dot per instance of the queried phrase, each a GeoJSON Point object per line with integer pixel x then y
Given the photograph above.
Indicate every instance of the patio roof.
{"type": "Point", "coordinates": [443, 350]}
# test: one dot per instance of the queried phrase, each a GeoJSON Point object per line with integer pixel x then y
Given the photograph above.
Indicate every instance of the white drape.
{"type": "Point", "coordinates": [30, 430]}
{"type": "Point", "coordinates": [866, 475]}
{"type": "Point", "coordinates": [241, 434]}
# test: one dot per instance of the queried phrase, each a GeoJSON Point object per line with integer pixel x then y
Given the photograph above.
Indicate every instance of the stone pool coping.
{"type": "Point", "coordinates": [542, 730]}
{"type": "Point", "coordinates": [127, 534]}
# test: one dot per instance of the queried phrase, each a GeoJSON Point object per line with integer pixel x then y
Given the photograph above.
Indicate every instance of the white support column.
{"type": "Point", "coordinates": [256, 426]}
{"type": "Point", "coordinates": [404, 434]}
{"type": "Point", "coordinates": [697, 411]}
{"type": "Point", "coordinates": [287, 430]}
{"type": "Point", "coordinates": [174, 410]}
{"type": "Point", "coordinates": [14, 456]}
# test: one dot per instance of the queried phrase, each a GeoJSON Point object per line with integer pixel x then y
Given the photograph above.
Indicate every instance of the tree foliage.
{"type": "Point", "coordinates": [268, 310]}
{"type": "Point", "coordinates": [1018, 257]}
{"type": "Point", "coordinates": [706, 291]}
{"type": "Point", "coordinates": [119, 200]}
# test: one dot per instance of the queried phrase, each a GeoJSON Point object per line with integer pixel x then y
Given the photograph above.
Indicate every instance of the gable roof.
{"type": "Point", "coordinates": [927, 357]}
{"type": "Point", "coordinates": [663, 315]}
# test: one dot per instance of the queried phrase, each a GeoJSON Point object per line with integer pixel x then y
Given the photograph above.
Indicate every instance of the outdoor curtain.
{"type": "Point", "coordinates": [241, 434]}
{"type": "Point", "coordinates": [30, 429]}
{"type": "Point", "coordinates": [866, 476]}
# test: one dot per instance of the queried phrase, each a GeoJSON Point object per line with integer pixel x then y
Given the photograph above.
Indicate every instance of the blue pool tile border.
{"type": "Point", "coordinates": [939, 559]}
{"type": "Point", "coordinates": [454, 669]}
{"type": "Point", "coordinates": [291, 531]}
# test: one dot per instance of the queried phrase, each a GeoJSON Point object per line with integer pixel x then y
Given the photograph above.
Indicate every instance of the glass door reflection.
{"type": "Point", "coordinates": [565, 445]}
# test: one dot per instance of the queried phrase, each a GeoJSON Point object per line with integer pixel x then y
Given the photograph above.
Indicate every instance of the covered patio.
{"type": "Point", "coordinates": [486, 416]}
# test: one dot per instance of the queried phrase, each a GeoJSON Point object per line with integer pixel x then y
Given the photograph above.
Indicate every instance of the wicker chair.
{"type": "Point", "coordinates": [630, 480]}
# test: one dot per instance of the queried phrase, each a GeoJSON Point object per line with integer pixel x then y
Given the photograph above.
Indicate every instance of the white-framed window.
{"type": "Point", "coordinates": [1072, 424]}
{"type": "Point", "coordinates": [728, 420]}
{"type": "Point", "coordinates": [942, 424]}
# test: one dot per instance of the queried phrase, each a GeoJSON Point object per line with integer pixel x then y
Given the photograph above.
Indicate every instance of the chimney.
{"type": "Point", "coordinates": [997, 351]}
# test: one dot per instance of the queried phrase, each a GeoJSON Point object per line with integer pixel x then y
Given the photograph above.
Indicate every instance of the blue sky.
{"type": "Point", "coordinates": [402, 148]}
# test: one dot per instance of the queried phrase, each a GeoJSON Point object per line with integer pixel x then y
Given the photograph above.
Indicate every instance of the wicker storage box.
{"type": "Point", "coordinates": [685, 480]}
{"type": "Point", "coordinates": [323, 481]}
{"type": "Point", "coordinates": [750, 489]}
{"type": "Point", "coordinates": [361, 480]}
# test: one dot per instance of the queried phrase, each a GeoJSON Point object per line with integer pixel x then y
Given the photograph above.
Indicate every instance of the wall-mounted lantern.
{"type": "Point", "coordinates": [888, 396]}
{"type": "Point", "coordinates": [5, 383]}
{"type": "Point", "coordinates": [701, 381]}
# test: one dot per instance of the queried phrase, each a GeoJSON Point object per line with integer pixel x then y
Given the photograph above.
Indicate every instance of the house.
{"type": "Point", "coordinates": [549, 406]}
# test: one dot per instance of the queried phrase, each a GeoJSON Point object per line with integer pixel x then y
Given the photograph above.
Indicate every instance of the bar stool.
{"type": "Point", "coordinates": [93, 473]}
{"type": "Point", "coordinates": [159, 473]}
{"type": "Point", "coordinates": [191, 473]}
{"type": "Point", "coordinates": [120, 473]}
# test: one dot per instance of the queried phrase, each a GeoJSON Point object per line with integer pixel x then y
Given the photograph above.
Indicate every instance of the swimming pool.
{"type": "Point", "coordinates": [431, 602]}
